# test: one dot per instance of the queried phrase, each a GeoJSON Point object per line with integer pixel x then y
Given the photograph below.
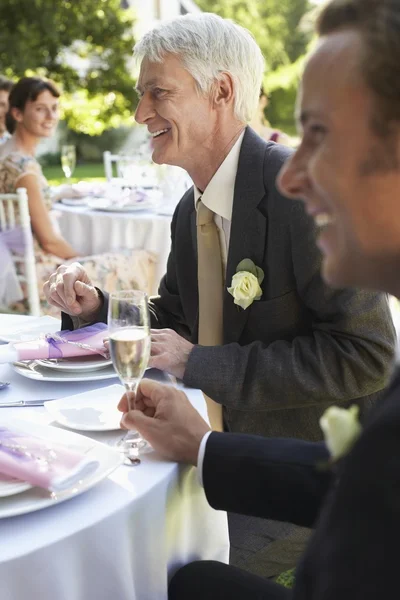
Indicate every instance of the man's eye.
{"type": "Point", "coordinates": [158, 92]}
{"type": "Point", "coordinates": [317, 130]}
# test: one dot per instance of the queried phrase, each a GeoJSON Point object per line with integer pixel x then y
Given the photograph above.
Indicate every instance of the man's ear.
{"type": "Point", "coordinates": [223, 90]}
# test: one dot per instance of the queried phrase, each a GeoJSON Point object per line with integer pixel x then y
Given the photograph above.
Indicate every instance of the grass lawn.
{"type": "Point", "coordinates": [89, 172]}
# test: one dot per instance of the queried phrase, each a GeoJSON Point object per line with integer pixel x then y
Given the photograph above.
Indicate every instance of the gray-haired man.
{"type": "Point", "coordinates": [297, 346]}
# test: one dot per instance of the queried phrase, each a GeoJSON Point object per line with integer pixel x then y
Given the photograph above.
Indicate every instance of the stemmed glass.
{"type": "Point", "coordinates": [68, 160]}
{"type": "Point", "coordinates": [129, 335]}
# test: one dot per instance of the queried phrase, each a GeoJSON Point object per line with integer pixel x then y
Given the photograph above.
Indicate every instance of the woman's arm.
{"type": "Point", "coordinates": [49, 239]}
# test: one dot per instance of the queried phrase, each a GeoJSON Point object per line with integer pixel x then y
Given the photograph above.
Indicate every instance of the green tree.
{"type": "Point", "coordinates": [84, 45]}
{"type": "Point", "coordinates": [278, 27]}
{"type": "Point", "coordinates": [275, 25]}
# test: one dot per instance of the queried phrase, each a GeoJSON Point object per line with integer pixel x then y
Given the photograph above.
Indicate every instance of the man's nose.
{"type": "Point", "coordinates": [145, 109]}
{"type": "Point", "coordinates": [292, 178]}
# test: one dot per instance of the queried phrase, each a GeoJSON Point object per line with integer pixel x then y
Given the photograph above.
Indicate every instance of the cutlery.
{"type": "Point", "coordinates": [27, 364]}
{"type": "Point", "coordinates": [4, 385]}
{"type": "Point", "coordinates": [17, 403]}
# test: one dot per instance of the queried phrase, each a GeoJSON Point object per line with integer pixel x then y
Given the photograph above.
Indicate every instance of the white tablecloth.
{"type": "Point", "coordinates": [121, 540]}
{"type": "Point", "coordinates": [94, 232]}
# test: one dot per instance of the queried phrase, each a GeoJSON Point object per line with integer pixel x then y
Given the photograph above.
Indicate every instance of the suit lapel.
{"type": "Point", "coordinates": [248, 227]}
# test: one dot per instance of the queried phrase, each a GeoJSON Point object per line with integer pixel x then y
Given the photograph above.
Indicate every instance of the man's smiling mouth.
{"type": "Point", "coordinates": [323, 220]}
{"type": "Point", "coordinates": [156, 134]}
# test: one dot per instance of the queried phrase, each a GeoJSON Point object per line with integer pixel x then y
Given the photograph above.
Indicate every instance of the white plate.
{"type": "Point", "coordinates": [74, 201]}
{"type": "Point", "coordinates": [9, 488]}
{"type": "Point", "coordinates": [36, 498]}
{"type": "Point", "coordinates": [35, 371]}
{"type": "Point", "coordinates": [109, 206]}
{"type": "Point", "coordinates": [29, 329]}
{"type": "Point", "coordinates": [90, 411]}
{"type": "Point", "coordinates": [79, 364]}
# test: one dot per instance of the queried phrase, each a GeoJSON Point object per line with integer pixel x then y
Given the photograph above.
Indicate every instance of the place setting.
{"type": "Point", "coordinates": [41, 466]}
{"type": "Point", "coordinates": [72, 356]}
{"type": "Point", "coordinates": [122, 199]}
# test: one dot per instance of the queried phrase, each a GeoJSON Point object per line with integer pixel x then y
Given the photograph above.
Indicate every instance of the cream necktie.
{"type": "Point", "coordinates": [211, 288]}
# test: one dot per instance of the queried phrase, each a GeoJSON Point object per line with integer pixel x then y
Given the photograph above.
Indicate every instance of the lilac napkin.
{"type": "Point", "coordinates": [62, 344]}
{"type": "Point", "coordinates": [38, 462]}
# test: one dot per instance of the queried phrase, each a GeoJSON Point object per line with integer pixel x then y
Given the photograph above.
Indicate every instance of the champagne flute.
{"type": "Point", "coordinates": [68, 160]}
{"type": "Point", "coordinates": [129, 336]}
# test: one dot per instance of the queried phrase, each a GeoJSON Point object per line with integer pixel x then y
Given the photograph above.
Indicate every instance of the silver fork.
{"type": "Point", "coordinates": [27, 364]}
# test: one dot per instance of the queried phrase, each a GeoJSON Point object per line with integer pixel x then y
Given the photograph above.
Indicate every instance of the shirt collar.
{"type": "Point", "coordinates": [218, 195]}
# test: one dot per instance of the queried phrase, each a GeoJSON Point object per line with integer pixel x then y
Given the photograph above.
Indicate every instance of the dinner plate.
{"type": "Point", "coordinates": [74, 201]}
{"type": "Point", "coordinates": [78, 364]}
{"type": "Point", "coordinates": [108, 206]}
{"type": "Point", "coordinates": [12, 487]}
{"type": "Point", "coordinates": [36, 498]}
{"type": "Point", "coordinates": [29, 329]}
{"type": "Point", "coordinates": [32, 370]}
{"type": "Point", "coordinates": [89, 411]}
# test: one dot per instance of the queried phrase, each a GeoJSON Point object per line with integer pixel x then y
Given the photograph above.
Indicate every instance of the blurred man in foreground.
{"type": "Point", "coordinates": [347, 172]}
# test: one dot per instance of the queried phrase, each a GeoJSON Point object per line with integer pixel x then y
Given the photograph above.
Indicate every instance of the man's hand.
{"type": "Point", "coordinates": [169, 352]}
{"type": "Point", "coordinates": [166, 419]}
{"type": "Point", "coordinates": [70, 289]}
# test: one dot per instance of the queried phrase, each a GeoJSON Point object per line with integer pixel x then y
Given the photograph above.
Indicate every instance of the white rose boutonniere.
{"type": "Point", "coordinates": [245, 286]}
{"type": "Point", "coordinates": [341, 429]}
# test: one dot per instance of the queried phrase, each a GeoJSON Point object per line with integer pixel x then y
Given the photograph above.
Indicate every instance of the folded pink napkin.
{"type": "Point", "coordinates": [63, 344]}
{"type": "Point", "coordinates": [34, 460]}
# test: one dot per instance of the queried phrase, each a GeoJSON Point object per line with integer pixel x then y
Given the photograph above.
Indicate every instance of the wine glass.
{"type": "Point", "coordinates": [68, 160]}
{"type": "Point", "coordinates": [129, 336]}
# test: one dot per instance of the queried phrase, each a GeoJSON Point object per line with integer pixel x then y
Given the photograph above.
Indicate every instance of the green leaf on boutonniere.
{"type": "Point", "coordinates": [260, 275]}
{"type": "Point", "coordinates": [247, 265]}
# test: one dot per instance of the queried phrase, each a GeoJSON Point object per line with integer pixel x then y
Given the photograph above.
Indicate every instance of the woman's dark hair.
{"type": "Point", "coordinates": [25, 90]}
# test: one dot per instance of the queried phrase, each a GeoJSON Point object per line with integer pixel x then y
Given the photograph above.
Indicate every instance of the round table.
{"type": "Point", "coordinates": [124, 538]}
{"type": "Point", "coordinates": [95, 232]}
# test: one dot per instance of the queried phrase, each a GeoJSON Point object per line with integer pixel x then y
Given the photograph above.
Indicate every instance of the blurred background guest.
{"type": "Point", "coordinates": [261, 125]}
{"type": "Point", "coordinates": [5, 88]}
{"type": "Point", "coordinates": [33, 115]}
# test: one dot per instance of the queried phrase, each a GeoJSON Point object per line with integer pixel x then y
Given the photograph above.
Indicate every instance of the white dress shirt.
{"type": "Point", "coordinates": [200, 457]}
{"type": "Point", "coordinates": [218, 196]}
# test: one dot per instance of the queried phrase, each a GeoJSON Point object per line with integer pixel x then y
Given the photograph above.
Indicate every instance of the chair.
{"type": "Point", "coordinates": [22, 242]}
{"type": "Point", "coordinates": [119, 160]}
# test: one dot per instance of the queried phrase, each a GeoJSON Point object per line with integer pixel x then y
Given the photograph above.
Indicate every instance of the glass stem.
{"type": "Point", "coordinates": [131, 394]}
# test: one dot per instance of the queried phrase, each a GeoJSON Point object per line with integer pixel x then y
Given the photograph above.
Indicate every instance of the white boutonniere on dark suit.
{"type": "Point", "coordinates": [341, 429]}
{"type": "Point", "coordinates": [246, 282]}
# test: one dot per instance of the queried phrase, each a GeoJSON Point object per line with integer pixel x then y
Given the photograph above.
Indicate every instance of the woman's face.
{"type": "Point", "coordinates": [40, 116]}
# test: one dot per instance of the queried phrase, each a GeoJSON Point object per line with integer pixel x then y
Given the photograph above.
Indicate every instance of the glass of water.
{"type": "Point", "coordinates": [129, 337]}
{"type": "Point", "coordinates": [68, 160]}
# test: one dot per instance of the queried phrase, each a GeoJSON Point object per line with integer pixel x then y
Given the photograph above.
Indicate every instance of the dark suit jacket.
{"type": "Point", "coordinates": [298, 348]}
{"type": "Point", "coordinates": [353, 553]}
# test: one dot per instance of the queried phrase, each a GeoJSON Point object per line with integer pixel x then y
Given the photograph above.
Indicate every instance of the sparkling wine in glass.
{"type": "Point", "coordinates": [129, 335]}
{"type": "Point", "coordinates": [68, 160]}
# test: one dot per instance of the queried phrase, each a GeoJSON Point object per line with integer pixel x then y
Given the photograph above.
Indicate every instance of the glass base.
{"type": "Point", "coordinates": [131, 446]}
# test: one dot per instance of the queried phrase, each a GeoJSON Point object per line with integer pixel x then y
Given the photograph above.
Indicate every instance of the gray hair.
{"type": "Point", "coordinates": [209, 45]}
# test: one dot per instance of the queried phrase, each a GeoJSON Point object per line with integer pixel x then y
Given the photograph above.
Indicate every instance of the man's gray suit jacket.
{"type": "Point", "coordinates": [299, 348]}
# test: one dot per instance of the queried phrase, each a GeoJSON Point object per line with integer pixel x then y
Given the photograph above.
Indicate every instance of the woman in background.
{"type": "Point", "coordinates": [33, 115]}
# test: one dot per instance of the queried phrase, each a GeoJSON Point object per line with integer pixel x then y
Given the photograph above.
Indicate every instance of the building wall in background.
{"type": "Point", "coordinates": [150, 12]}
